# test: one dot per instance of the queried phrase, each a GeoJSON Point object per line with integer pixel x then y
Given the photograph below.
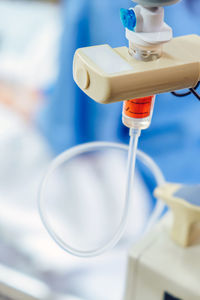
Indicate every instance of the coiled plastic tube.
{"type": "Point", "coordinates": [73, 152]}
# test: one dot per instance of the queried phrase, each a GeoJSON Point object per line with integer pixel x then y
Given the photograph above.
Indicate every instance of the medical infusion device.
{"type": "Point", "coordinates": [160, 267]}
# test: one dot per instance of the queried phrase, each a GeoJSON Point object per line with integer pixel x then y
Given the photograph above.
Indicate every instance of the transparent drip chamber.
{"type": "Point", "coordinates": [145, 53]}
{"type": "Point", "coordinates": [137, 113]}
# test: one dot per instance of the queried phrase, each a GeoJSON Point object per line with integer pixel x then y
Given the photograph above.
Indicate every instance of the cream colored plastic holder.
{"type": "Point", "coordinates": [109, 75]}
{"type": "Point", "coordinates": [185, 229]}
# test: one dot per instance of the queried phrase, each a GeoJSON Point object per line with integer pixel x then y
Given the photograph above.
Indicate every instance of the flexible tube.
{"type": "Point", "coordinates": [73, 152]}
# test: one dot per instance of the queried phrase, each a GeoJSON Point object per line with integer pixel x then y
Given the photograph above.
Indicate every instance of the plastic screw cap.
{"type": "Point", "coordinates": [83, 78]}
{"type": "Point", "coordinates": [155, 3]}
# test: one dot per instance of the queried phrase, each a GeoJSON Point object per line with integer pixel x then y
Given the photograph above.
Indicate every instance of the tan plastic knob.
{"type": "Point", "coordinates": [184, 202]}
{"type": "Point", "coordinates": [82, 78]}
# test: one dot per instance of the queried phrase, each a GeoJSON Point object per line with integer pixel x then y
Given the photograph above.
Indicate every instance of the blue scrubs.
{"type": "Point", "coordinates": [70, 117]}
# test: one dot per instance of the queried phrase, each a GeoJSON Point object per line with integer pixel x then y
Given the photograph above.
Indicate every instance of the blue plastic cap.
{"type": "Point", "coordinates": [128, 18]}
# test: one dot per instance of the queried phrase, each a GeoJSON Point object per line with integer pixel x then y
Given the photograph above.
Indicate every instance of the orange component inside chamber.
{"type": "Point", "coordinates": [138, 108]}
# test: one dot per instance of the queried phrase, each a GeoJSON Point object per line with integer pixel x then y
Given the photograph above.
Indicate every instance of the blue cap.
{"type": "Point", "coordinates": [128, 18]}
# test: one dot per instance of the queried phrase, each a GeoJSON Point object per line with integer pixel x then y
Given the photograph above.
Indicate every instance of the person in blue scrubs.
{"type": "Point", "coordinates": [71, 118]}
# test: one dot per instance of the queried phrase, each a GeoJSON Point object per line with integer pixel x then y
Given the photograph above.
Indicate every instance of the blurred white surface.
{"type": "Point", "coordinates": [29, 39]}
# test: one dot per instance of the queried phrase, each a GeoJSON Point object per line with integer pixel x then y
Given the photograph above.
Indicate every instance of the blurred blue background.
{"type": "Point", "coordinates": [43, 112]}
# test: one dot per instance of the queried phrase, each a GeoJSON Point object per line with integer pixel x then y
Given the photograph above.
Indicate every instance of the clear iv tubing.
{"type": "Point", "coordinates": [73, 152]}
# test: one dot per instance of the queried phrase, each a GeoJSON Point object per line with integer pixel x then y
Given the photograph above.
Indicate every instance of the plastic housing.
{"type": "Point", "coordinates": [157, 266]}
{"type": "Point", "coordinates": [109, 75]}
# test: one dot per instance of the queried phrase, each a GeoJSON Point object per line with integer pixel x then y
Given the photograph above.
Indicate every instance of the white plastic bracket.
{"type": "Point", "coordinates": [150, 27]}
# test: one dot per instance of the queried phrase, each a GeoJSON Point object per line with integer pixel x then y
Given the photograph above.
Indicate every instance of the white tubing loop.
{"type": "Point", "coordinates": [80, 149]}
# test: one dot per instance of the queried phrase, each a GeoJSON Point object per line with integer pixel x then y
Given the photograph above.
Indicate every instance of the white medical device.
{"type": "Point", "coordinates": [164, 268]}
